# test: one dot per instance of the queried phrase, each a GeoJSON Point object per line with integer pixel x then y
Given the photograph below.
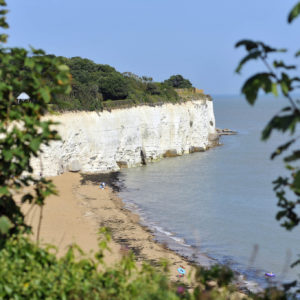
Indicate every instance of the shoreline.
{"type": "Point", "coordinates": [193, 258]}
{"type": "Point", "coordinates": [112, 180]}
{"type": "Point", "coordinates": [159, 234]}
{"type": "Point", "coordinates": [86, 208]}
{"type": "Point", "coordinates": [131, 234]}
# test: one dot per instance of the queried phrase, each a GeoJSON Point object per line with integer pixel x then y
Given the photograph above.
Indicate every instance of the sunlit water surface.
{"type": "Point", "coordinates": [220, 203]}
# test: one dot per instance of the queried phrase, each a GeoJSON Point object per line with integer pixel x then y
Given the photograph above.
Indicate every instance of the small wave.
{"type": "Point", "coordinates": [179, 240]}
{"type": "Point", "coordinates": [159, 229]}
{"type": "Point", "coordinates": [171, 235]}
{"type": "Point", "coordinates": [253, 286]}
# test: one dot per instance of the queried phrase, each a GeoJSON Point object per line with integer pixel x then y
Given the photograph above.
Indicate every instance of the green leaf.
{"type": "Point", "coordinates": [282, 148]}
{"type": "Point", "coordinates": [294, 13]}
{"type": "Point", "coordinates": [249, 45]}
{"type": "Point", "coordinates": [27, 198]}
{"type": "Point", "coordinates": [3, 38]}
{"type": "Point", "coordinates": [63, 68]}
{"type": "Point", "coordinates": [274, 89]}
{"type": "Point", "coordinates": [45, 94]}
{"type": "Point", "coordinates": [268, 49]}
{"type": "Point", "coordinates": [8, 154]}
{"type": "Point", "coordinates": [35, 144]}
{"type": "Point", "coordinates": [5, 225]}
{"type": "Point", "coordinates": [281, 123]}
{"type": "Point", "coordinates": [253, 55]}
{"type": "Point", "coordinates": [252, 46]}
{"type": "Point", "coordinates": [296, 183]}
{"type": "Point", "coordinates": [293, 157]}
{"type": "Point", "coordinates": [285, 83]}
{"type": "Point", "coordinates": [8, 289]}
{"type": "Point", "coordinates": [4, 191]}
{"type": "Point", "coordinates": [284, 88]}
{"type": "Point", "coordinates": [3, 11]}
{"type": "Point", "coordinates": [281, 64]}
{"type": "Point", "coordinates": [289, 167]}
{"type": "Point", "coordinates": [255, 83]}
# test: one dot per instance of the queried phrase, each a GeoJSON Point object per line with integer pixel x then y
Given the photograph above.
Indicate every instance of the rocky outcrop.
{"type": "Point", "coordinates": [106, 141]}
{"type": "Point", "coordinates": [225, 131]}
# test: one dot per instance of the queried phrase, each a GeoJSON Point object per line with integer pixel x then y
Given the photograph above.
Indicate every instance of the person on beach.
{"type": "Point", "coordinates": [102, 185]}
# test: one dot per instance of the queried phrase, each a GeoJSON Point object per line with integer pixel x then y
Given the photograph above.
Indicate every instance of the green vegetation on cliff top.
{"type": "Point", "coordinates": [98, 86]}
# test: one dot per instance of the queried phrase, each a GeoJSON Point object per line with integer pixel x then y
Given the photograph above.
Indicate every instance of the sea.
{"type": "Point", "coordinates": [219, 206]}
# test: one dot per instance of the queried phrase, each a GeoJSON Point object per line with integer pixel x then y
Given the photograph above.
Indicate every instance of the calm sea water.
{"type": "Point", "coordinates": [220, 204]}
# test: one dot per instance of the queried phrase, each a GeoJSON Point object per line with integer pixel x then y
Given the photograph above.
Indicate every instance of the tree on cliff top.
{"type": "Point", "coordinates": [93, 84]}
{"type": "Point", "coordinates": [178, 82]}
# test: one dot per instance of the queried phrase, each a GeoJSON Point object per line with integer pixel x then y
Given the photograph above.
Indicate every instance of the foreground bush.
{"type": "Point", "coordinates": [31, 272]}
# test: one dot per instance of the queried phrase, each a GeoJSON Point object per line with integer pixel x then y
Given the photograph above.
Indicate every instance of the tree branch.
{"type": "Point", "coordinates": [293, 104]}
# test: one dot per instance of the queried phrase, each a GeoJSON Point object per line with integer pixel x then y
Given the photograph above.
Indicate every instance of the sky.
{"type": "Point", "coordinates": [157, 38]}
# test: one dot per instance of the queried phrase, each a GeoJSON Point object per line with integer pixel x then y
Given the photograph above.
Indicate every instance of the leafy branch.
{"type": "Point", "coordinates": [276, 78]}
{"type": "Point", "coordinates": [22, 129]}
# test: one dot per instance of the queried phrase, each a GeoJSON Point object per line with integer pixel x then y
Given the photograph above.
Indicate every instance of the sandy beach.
{"type": "Point", "coordinates": [81, 208]}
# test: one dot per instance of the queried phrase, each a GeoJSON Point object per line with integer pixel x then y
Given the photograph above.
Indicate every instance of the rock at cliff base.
{"type": "Point", "coordinates": [196, 149]}
{"type": "Point", "coordinates": [171, 153]}
{"type": "Point", "coordinates": [225, 131]}
{"type": "Point", "coordinates": [213, 137]}
{"type": "Point", "coordinates": [122, 164]}
{"type": "Point", "coordinates": [74, 166]}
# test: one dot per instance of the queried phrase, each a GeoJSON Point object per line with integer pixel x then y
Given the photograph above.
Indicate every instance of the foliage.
{"type": "Point", "coordinates": [22, 131]}
{"type": "Point", "coordinates": [31, 272]}
{"type": "Point", "coordinates": [113, 86]}
{"type": "Point", "coordinates": [285, 121]}
{"type": "Point", "coordinates": [94, 84]}
{"type": "Point", "coordinates": [294, 13]}
{"type": "Point", "coordinates": [27, 270]}
{"type": "Point", "coordinates": [279, 76]}
{"type": "Point", "coordinates": [178, 82]}
{"type": "Point", "coordinates": [223, 275]}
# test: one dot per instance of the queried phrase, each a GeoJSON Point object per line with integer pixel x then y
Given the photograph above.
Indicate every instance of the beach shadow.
{"type": "Point", "coordinates": [112, 179]}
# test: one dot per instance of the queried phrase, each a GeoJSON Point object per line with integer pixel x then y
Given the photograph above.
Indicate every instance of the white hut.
{"type": "Point", "coordinates": [23, 97]}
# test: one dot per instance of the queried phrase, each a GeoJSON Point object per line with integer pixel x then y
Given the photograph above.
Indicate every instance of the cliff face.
{"type": "Point", "coordinates": [99, 142]}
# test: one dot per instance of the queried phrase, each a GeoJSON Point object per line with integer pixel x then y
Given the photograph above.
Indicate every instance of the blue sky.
{"type": "Point", "coordinates": [156, 38]}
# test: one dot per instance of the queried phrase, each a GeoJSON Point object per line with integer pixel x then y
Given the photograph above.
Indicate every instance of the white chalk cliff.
{"type": "Point", "coordinates": [105, 141]}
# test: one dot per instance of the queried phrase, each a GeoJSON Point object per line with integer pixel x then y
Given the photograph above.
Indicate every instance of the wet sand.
{"type": "Point", "coordinates": [81, 208]}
